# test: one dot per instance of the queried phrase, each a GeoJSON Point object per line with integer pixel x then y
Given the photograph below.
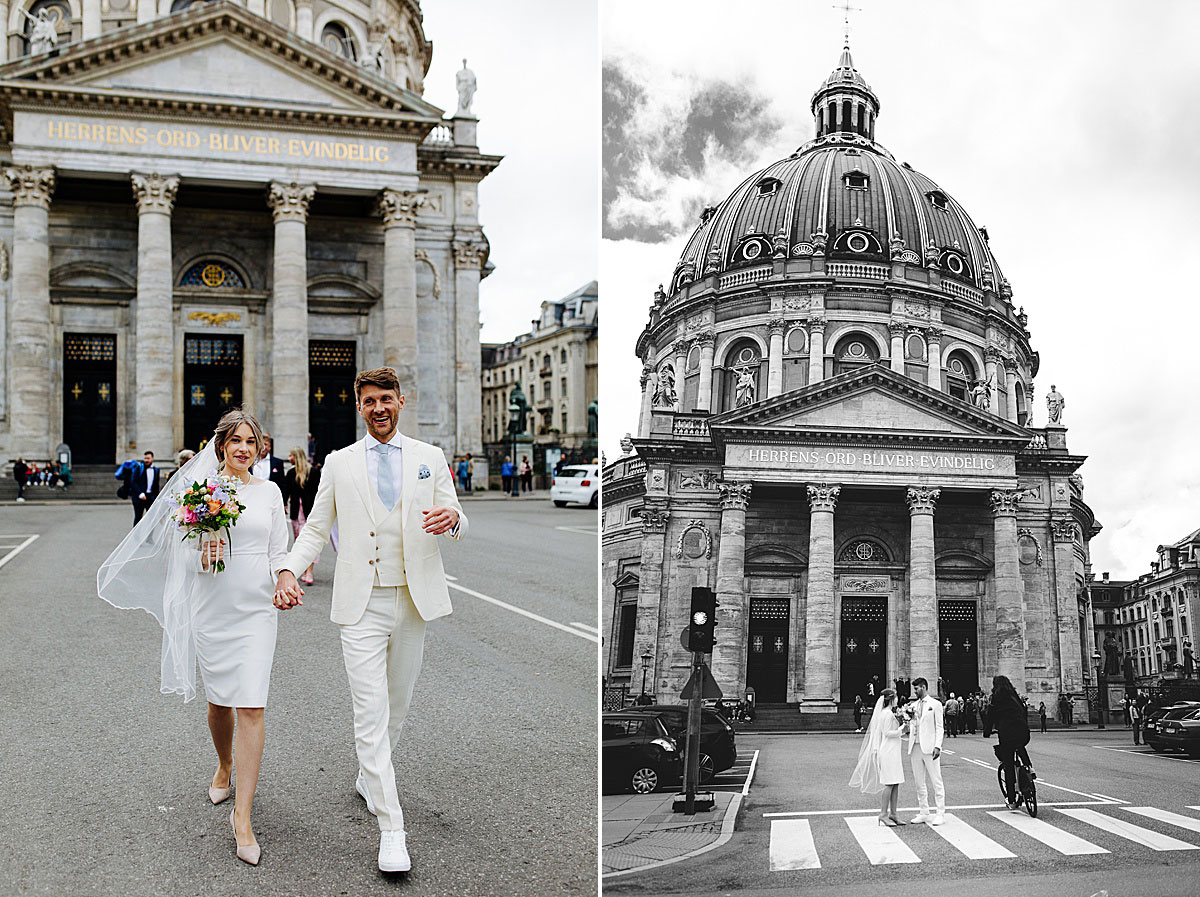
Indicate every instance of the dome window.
{"type": "Point", "coordinates": [752, 249]}
{"type": "Point", "coordinates": [337, 39]}
{"type": "Point", "coordinates": [955, 264]}
{"type": "Point", "coordinates": [960, 374]}
{"type": "Point", "coordinates": [858, 241]}
{"type": "Point", "coordinates": [938, 199]}
{"type": "Point", "coordinates": [853, 352]}
{"type": "Point", "coordinates": [769, 186]}
{"type": "Point", "coordinates": [856, 180]}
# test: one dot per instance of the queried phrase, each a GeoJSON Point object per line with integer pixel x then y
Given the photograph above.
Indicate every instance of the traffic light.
{"type": "Point", "coordinates": [702, 620]}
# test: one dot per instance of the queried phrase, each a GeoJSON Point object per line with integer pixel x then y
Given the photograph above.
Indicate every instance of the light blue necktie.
{"type": "Point", "coordinates": [383, 476]}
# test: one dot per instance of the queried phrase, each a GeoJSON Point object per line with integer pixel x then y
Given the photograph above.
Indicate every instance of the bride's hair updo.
{"type": "Point", "coordinates": [888, 695]}
{"type": "Point", "coordinates": [229, 422]}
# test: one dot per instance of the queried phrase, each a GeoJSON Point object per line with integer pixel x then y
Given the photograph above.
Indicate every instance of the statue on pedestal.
{"type": "Point", "coordinates": [593, 413]}
{"type": "Point", "coordinates": [981, 394]}
{"type": "Point", "coordinates": [664, 388]}
{"type": "Point", "coordinates": [1112, 663]}
{"type": "Point", "coordinates": [465, 82]}
{"type": "Point", "coordinates": [1189, 663]}
{"type": "Point", "coordinates": [745, 387]}
{"type": "Point", "coordinates": [1055, 404]}
{"type": "Point", "coordinates": [43, 35]}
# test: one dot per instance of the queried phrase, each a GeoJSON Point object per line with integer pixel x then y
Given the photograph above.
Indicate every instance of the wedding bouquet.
{"type": "Point", "coordinates": [206, 507]}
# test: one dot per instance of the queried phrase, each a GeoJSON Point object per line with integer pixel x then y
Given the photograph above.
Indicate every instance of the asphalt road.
{"type": "Point", "coordinates": [105, 780]}
{"type": "Point", "coordinates": [800, 793]}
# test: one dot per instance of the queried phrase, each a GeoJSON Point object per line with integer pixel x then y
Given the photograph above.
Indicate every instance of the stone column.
{"type": "Point", "coordinates": [147, 10]}
{"type": "Point", "coordinates": [304, 19]}
{"type": "Point", "coordinates": [994, 374]}
{"type": "Point", "coordinates": [4, 6]}
{"type": "Point", "coordinates": [922, 585]}
{"type": "Point", "coordinates": [398, 209]}
{"type": "Point", "coordinates": [897, 331]}
{"type": "Point", "coordinates": [154, 402]}
{"type": "Point", "coordinates": [775, 359]}
{"type": "Point", "coordinates": [1029, 404]}
{"type": "Point", "coordinates": [933, 337]}
{"type": "Point", "coordinates": [729, 656]}
{"type": "Point", "coordinates": [91, 18]}
{"type": "Point", "coordinates": [29, 312]}
{"type": "Point", "coordinates": [655, 519]}
{"type": "Point", "coordinates": [681, 351]}
{"type": "Point", "coordinates": [647, 381]}
{"type": "Point", "coordinates": [1010, 589]}
{"type": "Point", "coordinates": [704, 390]}
{"type": "Point", "coordinates": [289, 315]}
{"type": "Point", "coordinates": [819, 640]}
{"type": "Point", "coordinates": [578, 398]}
{"type": "Point", "coordinates": [816, 350]}
{"type": "Point", "coordinates": [1010, 387]}
{"type": "Point", "coordinates": [1067, 605]}
{"type": "Point", "coordinates": [258, 7]}
{"type": "Point", "coordinates": [469, 257]}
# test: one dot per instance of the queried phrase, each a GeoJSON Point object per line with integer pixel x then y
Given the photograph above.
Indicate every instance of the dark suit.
{"type": "Point", "coordinates": [147, 482]}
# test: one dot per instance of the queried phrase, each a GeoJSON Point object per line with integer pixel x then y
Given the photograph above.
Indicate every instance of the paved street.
{"type": "Point", "coordinates": [1112, 816]}
{"type": "Point", "coordinates": [106, 780]}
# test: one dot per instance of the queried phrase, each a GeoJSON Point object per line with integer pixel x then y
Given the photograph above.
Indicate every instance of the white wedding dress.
{"type": "Point", "coordinates": [235, 619]}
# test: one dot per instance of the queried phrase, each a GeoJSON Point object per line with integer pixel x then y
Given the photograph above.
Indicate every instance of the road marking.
{"type": "Point", "coordinates": [585, 626]}
{"type": "Point", "coordinates": [792, 845]}
{"type": "Point", "coordinates": [1151, 753]}
{"type": "Point", "coordinates": [1115, 800]}
{"type": "Point", "coordinates": [518, 610]}
{"type": "Point", "coordinates": [578, 529]}
{"type": "Point", "coordinates": [970, 842]}
{"type": "Point", "coordinates": [1042, 782]}
{"type": "Point", "coordinates": [1051, 836]}
{"type": "Point", "coordinates": [1135, 833]}
{"type": "Point", "coordinates": [750, 775]}
{"type": "Point", "coordinates": [12, 554]}
{"type": "Point", "coordinates": [1186, 822]}
{"type": "Point", "coordinates": [881, 844]}
{"type": "Point", "coordinates": [856, 810]}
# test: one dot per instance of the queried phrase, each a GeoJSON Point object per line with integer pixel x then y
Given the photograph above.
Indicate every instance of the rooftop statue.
{"type": "Point", "coordinates": [465, 82]}
{"type": "Point", "coordinates": [1055, 404]}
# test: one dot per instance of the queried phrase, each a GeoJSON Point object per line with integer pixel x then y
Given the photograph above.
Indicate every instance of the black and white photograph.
{"type": "Point", "coordinates": [299, 406]}
{"type": "Point", "coordinates": [899, 539]}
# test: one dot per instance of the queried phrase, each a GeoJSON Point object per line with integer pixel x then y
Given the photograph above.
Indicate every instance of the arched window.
{"type": "Point", "coordinates": [213, 275]}
{"type": "Point", "coordinates": [852, 352]}
{"type": "Point", "coordinates": [336, 37]}
{"type": "Point", "coordinates": [960, 374]}
{"type": "Point", "coordinates": [1022, 408]}
{"type": "Point", "coordinates": [743, 381]}
{"type": "Point", "coordinates": [183, 4]}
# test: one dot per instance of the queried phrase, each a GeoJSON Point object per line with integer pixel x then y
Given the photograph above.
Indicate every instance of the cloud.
{"type": "Point", "coordinates": [672, 150]}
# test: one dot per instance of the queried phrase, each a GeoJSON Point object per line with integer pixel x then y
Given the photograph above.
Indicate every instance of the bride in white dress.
{"type": "Point", "coordinates": [225, 622]}
{"type": "Point", "coordinates": [880, 765]}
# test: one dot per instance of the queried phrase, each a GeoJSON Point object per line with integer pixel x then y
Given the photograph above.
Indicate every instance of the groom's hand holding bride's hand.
{"type": "Point", "coordinates": [287, 591]}
{"type": "Point", "coordinates": [439, 520]}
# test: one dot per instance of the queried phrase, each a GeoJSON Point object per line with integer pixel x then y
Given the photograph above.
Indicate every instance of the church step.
{"type": "Point", "coordinates": [788, 718]}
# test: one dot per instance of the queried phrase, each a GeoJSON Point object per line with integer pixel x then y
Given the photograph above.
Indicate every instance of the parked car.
{"type": "Point", "coordinates": [1151, 731]}
{"type": "Point", "coordinates": [639, 754]}
{"type": "Point", "coordinates": [577, 483]}
{"type": "Point", "coordinates": [1182, 734]}
{"type": "Point", "coordinates": [718, 748]}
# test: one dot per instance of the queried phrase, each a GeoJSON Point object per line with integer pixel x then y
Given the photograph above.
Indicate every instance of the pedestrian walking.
{"type": "Point", "coordinates": [526, 474]}
{"type": "Point", "coordinates": [300, 490]}
{"type": "Point", "coordinates": [951, 715]}
{"type": "Point", "coordinates": [144, 487]}
{"type": "Point", "coordinates": [464, 474]}
{"type": "Point", "coordinates": [1042, 714]}
{"type": "Point", "coordinates": [1135, 719]}
{"type": "Point", "coordinates": [20, 473]}
{"type": "Point", "coordinates": [1125, 707]}
{"type": "Point", "coordinates": [470, 472]}
{"type": "Point", "coordinates": [506, 474]}
{"type": "Point", "coordinates": [858, 711]}
{"type": "Point", "coordinates": [223, 620]}
{"type": "Point", "coordinates": [970, 709]}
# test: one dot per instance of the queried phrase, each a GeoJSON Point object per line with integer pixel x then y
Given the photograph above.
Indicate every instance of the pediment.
{"type": "Point", "coordinates": [217, 53]}
{"type": "Point", "coordinates": [876, 400]}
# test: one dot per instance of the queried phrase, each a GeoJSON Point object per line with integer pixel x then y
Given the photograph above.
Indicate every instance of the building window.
{"type": "Point", "coordinates": [336, 38]}
{"type": "Point", "coordinates": [562, 356]}
{"type": "Point", "coordinates": [626, 630]}
{"type": "Point", "coordinates": [960, 374]}
{"type": "Point", "coordinates": [852, 353]}
{"type": "Point", "coordinates": [564, 422]}
{"type": "Point", "coordinates": [212, 275]}
{"type": "Point", "coordinates": [937, 199]}
{"type": "Point", "coordinates": [769, 186]}
{"type": "Point", "coordinates": [743, 365]}
{"type": "Point", "coordinates": [855, 180]}
{"type": "Point", "coordinates": [563, 386]}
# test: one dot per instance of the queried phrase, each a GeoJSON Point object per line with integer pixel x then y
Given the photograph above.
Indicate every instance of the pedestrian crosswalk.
{"type": "Point", "coordinates": [796, 844]}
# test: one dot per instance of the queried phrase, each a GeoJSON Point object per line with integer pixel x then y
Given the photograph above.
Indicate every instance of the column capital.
{"type": "Point", "coordinates": [654, 518]}
{"type": "Point", "coordinates": [734, 496]}
{"type": "Point", "coordinates": [1004, 501]}
{"type": "Point", "coordinates": [823, 496]}
{"type": "Point", "coordinates": [289, 202]}
{"type": "Point", "coordinates": [816, 322]}
{"type": "Point", "coordinates": [154, 192]}
{"type": "Point", "coordinates": [993, 353]}
{"type": "Point", "coordinates": [647, 374]}
{"type": "Point", "coordinates": [777, 325]}
{"type": "Point", "coordinates": [681, 346]}
{"type": "Point", "coordinates": [934, 334]}
{"type": "Point", "coordinates": [30, 186]}
{"type": "Point", "coordinates": [399, 208]}
{"type": "Point", "coordinates": [705, 338]}
{"type": "Point", "coordinates": [469, 254]}
{"type": "Point", "coordinates": [1010, 365]}
{"type": "Point", "coordinates": [921, 499]}
{"type": "Point", "coordinates": [897, 328]}
{"type": "Point", "coordinates": [1063, 529]}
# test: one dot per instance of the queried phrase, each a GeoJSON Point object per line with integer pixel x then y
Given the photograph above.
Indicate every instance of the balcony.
{"type": "Point", "coordinates": [1166, 641]}
{"type": "Point", "coordinates": [690, 426]}
{"type": "Point", "coordinates": [1167, 610]}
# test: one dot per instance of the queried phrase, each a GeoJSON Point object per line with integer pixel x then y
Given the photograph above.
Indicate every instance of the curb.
{"type": "Point", "coordinates": [727, 824]}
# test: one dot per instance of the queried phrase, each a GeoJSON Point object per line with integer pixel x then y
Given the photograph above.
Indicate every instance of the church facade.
{"type": "Point", "coordinates": [213, 204]}
{"type": "Point", "coordinates": [838, 436]}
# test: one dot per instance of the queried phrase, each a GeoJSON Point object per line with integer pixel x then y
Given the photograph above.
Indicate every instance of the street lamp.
{"type": "Point", "coordinates": [646, 657]}
{"type": "Point", "coordinates": [1096, 659]}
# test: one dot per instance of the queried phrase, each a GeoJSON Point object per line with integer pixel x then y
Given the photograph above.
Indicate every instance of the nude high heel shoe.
{"type": "Point", "coordinates": [218, 795]}
{"type": "Point", "coordinates": [249, 854]}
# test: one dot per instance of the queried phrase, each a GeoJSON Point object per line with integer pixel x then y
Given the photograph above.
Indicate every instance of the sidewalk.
{"type": "Point", "coordinates": [497, 495]}
{"type": "Point", "coordinates": [640, 831]}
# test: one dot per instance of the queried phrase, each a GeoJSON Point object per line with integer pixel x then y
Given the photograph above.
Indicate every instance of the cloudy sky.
{"type": "Point", "coordinates": [1068, 129]}
{"type": "Point", "coordinates": [538, 102]}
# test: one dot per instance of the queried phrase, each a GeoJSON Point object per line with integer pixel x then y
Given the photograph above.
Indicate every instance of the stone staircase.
{"type": "Point", "coordinates": [90, 482]}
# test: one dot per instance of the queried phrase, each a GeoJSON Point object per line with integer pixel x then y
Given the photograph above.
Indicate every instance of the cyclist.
{"type": "Point", "coordinates": [1010, 721]}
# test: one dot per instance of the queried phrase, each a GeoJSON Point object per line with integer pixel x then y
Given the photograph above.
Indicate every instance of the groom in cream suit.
{"type": "Point", "coordinates": [391, 497]}
{"type": "Point", "coordinates": [925, 734]}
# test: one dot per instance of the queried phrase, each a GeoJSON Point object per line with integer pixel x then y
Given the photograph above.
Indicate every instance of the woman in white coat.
{"type": "Point", "coordinates": [880, 766]}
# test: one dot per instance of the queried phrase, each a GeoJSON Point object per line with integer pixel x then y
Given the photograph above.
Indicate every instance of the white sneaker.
{"type": "Point", "coordinates": [919, 818]}
{"type": "Point", "coordinates": [360, 785]}
{"type": "Point", "coordinates": [939, 819]}
{"type": "Point", "coordinates": [20, 499]}
{"type": "Point", "coordinates": [393, 852]}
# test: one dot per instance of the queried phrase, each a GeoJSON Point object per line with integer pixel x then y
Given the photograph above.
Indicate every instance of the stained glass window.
{"type": "Point", "coordinates": [213, 275]}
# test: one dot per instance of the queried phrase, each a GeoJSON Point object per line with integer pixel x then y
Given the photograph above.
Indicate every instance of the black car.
{"type": "Point", "coordinates": [639, 753]}
{"type": "Point", "coordinates": [1181, 733]}
{"type": "Point", "coordinates": [718, 750]}
{"type": "Point", "coordinates": [1155, 718]}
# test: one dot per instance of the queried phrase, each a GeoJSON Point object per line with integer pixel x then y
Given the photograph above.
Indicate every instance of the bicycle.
{"type": "Point", "coordinates": [1026, 787]}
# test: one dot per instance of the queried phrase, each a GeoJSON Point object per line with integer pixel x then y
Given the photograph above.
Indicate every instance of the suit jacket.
{"type": "Point", "coordinates": [278, 477]}
{"type": "Point", "coordinates": [139, 484]}
{"type": "Point", "coordinates": [365, 527]}
{"type": "Point", "coordinates": [931, 727]}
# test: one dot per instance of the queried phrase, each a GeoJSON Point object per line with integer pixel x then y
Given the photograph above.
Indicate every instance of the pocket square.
{"type": "Point", "coordinates": [423, 472]}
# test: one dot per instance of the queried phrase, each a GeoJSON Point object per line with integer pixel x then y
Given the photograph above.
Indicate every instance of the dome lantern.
{"type": "Point", "coordinates": [845, 103]}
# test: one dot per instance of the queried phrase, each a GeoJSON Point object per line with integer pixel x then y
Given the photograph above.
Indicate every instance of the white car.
{"type": "Point", "coordinates": [578, 483]}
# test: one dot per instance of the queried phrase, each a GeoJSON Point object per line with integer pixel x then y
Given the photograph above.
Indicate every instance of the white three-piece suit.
{"type": "Point", "coordinates": [926, 733]}
{"type": "Point", "coordinates": [387, 584]}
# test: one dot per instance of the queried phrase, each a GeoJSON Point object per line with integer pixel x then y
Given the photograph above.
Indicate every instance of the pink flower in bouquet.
{"type": "Point", "coordinates": [189, 516]}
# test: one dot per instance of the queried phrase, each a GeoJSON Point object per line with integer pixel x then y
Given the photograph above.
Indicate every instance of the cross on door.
{"type": "Point", "coordinates": [104, 391]}
{"type": "Point", "coordinates": [967, 645]}
{"type": "Point", "coordinates": [343, 395]}
{"type": "Point", "coordinates": [77, 392]}
{"type": "Point", "coordinates": [873, 645]}
{"type": "Point", "coordinates": [946, 643]}
{"type": "Point", "coordinates": [226, 395]}
{"type": "Point", "coordinates": [851, 646]}
{"type": "Point", "coordinates": [318, 395]}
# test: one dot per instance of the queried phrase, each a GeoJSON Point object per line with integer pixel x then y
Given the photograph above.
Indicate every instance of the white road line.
{"type": "Point", "coordinates": [970, 842]}
{"type": "Point", "coordinates": [578, 529]}
{"type": "Point", "coordinates": [1152, 754]}
{"type": "Point", "coordinates": [1042, 782]}
{"type": "Point", "coordinates": [587, 627]}
{"type": "Point", "coordinates": [1115, 800]}
{"type": "Point", "coordinates": [1134, 833]}
{"type": "Point", "coordinates": [855, 810]}
{"type": "Point", "coordinates": [792, 845]}
{"type": "Point", "coordinates": [12, 554]}
{"type": "Point", "coordinates": [1051, 836]}
{"type": "Point", "coordinates": [750, 775]}
{"type": "Point", "coordinates": [881, 844]}
{"type": "Point", "coordinates": [522, 612]}
{"type": "Point", "coordinates": [1187, 822]}
{"type": "Point", "coordinates": [1193, 808]}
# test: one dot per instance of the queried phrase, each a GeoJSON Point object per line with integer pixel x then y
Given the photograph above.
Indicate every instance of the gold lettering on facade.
{"type": "Point", "coordinates": [214, 319]}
